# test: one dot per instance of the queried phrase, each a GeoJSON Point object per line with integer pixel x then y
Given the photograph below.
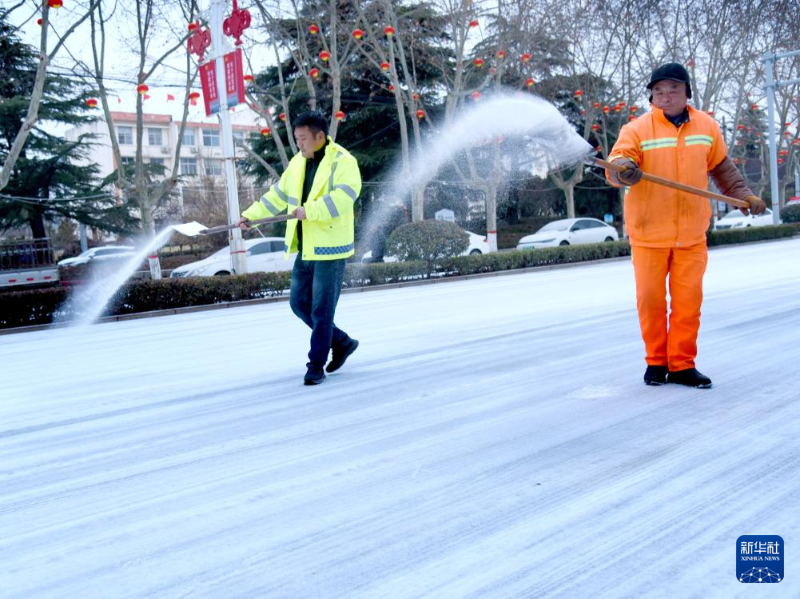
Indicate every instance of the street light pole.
{"type": "Point", "coordinates": [238, 254]}
{"type": "Point", "coordinates": [770, 86]}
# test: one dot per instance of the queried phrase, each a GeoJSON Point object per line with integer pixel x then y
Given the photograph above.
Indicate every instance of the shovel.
{"type": "Point", "coordinates": [673, 184]}
{"type": "Point", "coordinates": [193, 229]}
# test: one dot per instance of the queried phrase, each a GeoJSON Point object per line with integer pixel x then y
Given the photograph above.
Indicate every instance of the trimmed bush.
{"type": "Point", "coordinates": [427, 240]}
{"type": "Point", "coordinates": [37, 306]}
{"type": "Point", "coordinates": [750, 234]}
{"type": "Point", "coordinates": [791, 213]}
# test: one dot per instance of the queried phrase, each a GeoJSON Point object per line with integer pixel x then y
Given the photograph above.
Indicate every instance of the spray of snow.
{"type": "Point", "coordinates": [89, 301]}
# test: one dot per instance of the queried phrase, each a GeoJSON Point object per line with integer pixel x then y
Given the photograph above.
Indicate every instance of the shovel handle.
{"type": "Point", "coordinates": [260, 221]}
{"type": "Point", "coordinates": [675, 185]}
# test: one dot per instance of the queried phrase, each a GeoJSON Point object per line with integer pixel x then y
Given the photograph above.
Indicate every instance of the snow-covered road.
{"type": "Point", "coordinates": [490, 438]}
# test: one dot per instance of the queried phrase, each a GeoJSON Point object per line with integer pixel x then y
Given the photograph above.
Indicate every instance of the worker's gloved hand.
{"type": "Point", "coordinates": [757, 205]}
{"type": "Point", "coordinates": [631, 176]}
{"type": "Point", "coordinates": [242, 224]}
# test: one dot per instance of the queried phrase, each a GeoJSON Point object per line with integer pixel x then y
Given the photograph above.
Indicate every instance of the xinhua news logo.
{"type": "Point", "coordinates": [759, 558]}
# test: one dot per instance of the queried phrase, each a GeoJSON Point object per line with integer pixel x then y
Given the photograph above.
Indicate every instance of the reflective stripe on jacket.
{"type": "Point", "coordinates": [658, 216]}
{"type": "Point", "coordinates": [329, 228]}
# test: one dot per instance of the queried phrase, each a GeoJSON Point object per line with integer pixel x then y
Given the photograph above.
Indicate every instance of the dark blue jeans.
{"type": "Point", "coordinates": [316, 285]}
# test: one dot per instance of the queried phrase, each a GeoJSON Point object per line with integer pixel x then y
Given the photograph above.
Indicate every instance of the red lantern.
{"type": "Point", "coordinates": [358, 34]}
{"type": "Point", "coordinates": [55, 4]}
{"type": "Point", "coordinates": [595, 127]}
{"type": "Point", "coordinates": [753, 106]}
{"type": "Point", "coordinates": [529, 82]}
{"type": "Point", "coordinates": [340, 116]}
{"type": "Point", "coordinates": [39, 22]}
{"type": "Point", "coordinates": [193, 26]}
{"type": "Point", "coordinates": [787, 133]}
{"type": "Point", "coordinates": [796, 142]}
{"type": "Point", "coordinates": [634, 109]}
{"type": "Point", "coordinates": [476, 95]}
{"type": "Point", "coordinates": [266, 131]}
{"type": "Point", "coordinates": [780, 160]}
{"type": "Point", "coordinates": [142, 89]}
{"type": "Point", "coordinates": [787, 125]}
{"type": "Point", "coordinates": [416, 97]}
{"type": "Point", "coordinates": [622, 104]}
{"type": "Point", "coordinates": [282, 117]}
{"type": "Point", "coordinates": [596, 104]}
{"type": "Point", "coordinates": [313, 29]}
{"type": "Point", "coordinates": [248, 78]}
{"type": "Point", "coordinates": [578, 93]}
{"type": "Point", "coordinates": [526, 58]}
{"type": "Point", "coordinates": [389, 30]}
{"type": "Point", "coordinates": [710, 113]}
{"type": "Point", "coordinates": [740, 127]}
{"type": "Point", "coordinates": [606, 109]}
{"type": "Point", "coordinates": [385, 66]}
{"type": "Point", "coordinates": [479, 62]}
{"type": "Point", "coordinates": [194, 96]}
{"type": "Point", "coordinates": [91, 103]}
{"type": "Point", "coordinates": [474, 23]}
{"type": "Point", "coordinates": [324, 56]}
{"type": "Point", "coordinates": [631, 118]}
{"type": "Point", "coordinates": [391, 88]}
{"type": "Point", "coordinates": [617, 108]}
{"type": "Point", "coordinates": [420, 114]}
{"type": "Point", "coordinates": [314, 72]}
{"type": "Point", "coordinates": [783, 153]}
{"type": "Point", "coordinates": [501, 54]}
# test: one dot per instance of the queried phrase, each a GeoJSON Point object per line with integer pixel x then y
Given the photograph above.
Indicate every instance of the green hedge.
{"type": "Point", "coordinates": [791, 213]}
{"type": "Point", "coordinates": [37, 306]}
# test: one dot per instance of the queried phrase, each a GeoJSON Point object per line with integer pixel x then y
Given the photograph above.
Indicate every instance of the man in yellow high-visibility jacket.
{"type": "Point", "coordinates": [320, 187]}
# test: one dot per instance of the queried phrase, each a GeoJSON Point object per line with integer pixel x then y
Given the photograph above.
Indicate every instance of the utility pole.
{"type": "Point", "coordinates": [770, 86]}
{"type": "Point", "coordinates": [218, 43]}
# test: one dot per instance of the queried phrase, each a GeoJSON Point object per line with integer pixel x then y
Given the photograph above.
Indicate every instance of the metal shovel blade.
{"type": "Point", "coordinates": [191, 229]}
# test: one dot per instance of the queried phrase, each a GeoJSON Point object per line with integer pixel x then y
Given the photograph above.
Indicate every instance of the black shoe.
{"type": "Point", "coordinates": [689, 377]}
{"type": "Point", "coordinates": [314, 376]}
{"type": "Point", "coordinates": [340, 354]}
{"type": "Point", "coordinates": [655, 375]}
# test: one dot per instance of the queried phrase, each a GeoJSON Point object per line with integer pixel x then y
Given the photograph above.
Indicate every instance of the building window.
{"type": "Point", "coordinates": [238, 137]}
{"type": "Point", "coordinates": [188, 166]}
{"type": "Point", "coordinates": [157, 161]}
{"type": "Point", "coordinates": [154, 137]}
{"type": "Point", "coordinates": [210, 137]}
{"type": "Point", "coordinates": [125, 135]}
{"type": "Point", "coordinates": [213, 168]}
{"type": "Point", "coordinates": [188, 137]}
{"type": "Point", "coordinates": [128, 160]}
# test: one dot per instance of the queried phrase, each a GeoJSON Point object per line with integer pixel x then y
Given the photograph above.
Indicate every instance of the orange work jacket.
{"type": "Point", "coordinates": [658, 216]}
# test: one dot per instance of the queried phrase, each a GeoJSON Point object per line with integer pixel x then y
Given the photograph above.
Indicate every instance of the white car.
{"type": "Point", "coordinates": [100, 254]}
{"type": "Point", "coordinates": [478, 244]}
{"type": "Point", "coordinates": [263, 255]}
{"type": "Point", "coordinates": [569, 231]}
{"type": "Point", "coordinates": [735, 219]}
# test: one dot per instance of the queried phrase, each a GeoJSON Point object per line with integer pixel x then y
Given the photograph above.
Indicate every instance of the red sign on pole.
{"type": "Point", "coordinates": [208, 81]}
{"type": "Point", "coordinates": [234, 82]}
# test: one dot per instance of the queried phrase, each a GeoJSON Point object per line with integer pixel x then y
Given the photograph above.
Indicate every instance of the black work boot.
{"type": "Point", "coordinates": [314, 376]}
{"type": "Point", "coordinates": [655, 375]}
{"type": "Point", "coordinates": [689, 377]}
{"type": "Point", "coordinates": [340, 354]}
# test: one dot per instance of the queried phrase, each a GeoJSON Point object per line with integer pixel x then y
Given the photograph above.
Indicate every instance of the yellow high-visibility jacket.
{"type": "Point", "coordinates": [657, 216]}
{"type": "Point", "coordinates": [329, 227]}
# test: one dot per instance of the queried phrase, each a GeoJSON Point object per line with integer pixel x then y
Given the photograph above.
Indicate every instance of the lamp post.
{"type": "Point", "coordinates": [770, 86]}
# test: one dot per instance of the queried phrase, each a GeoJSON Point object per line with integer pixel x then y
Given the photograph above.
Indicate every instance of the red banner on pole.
{"type": "Point", "coordinates": [208, 81]}
{"type": "Point", "coordinates": [234, 82]}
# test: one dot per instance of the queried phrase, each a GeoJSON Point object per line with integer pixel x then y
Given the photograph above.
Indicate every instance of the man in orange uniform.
{"type": "Point", "coordinates": [667, 228]}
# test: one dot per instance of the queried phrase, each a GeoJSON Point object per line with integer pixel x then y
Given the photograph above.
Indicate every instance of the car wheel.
{"type": "Point", "coordinates": [607, 239]}
{"type": "Point", "coordinates": [565, 242]}
{"type": "Point", "coordinates": [475, 253]}
{"type": "Point", "coordinates": [222, 273]}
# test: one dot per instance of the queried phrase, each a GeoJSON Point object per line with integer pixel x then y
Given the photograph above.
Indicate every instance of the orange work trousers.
{"type": "Point", "coordinates": [673, 345]}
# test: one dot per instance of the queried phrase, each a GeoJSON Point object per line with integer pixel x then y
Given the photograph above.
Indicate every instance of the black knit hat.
{"type": "Point", "coordinates": [673, 72]}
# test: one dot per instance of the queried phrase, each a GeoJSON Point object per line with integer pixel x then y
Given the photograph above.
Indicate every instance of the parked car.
{"type": "Point", "coordinates": [735, 219]}
{"type": "Point", "coordinates": [100, 254]}
{"type": "Point", "coordinates": [569, 231]}
{"type": "Point", "coordinates": [263, 255]}
{"type": "Point", "coordinates": [478, 244]}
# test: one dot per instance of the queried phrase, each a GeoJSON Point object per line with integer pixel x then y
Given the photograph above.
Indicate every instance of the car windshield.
{"type": "Point", "coordinates": [559, 225]}
{"type": "Point", "coordinates": [733, 214]}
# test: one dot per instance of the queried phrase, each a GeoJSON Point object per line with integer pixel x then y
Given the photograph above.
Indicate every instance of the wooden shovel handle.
{"type": "Point", "coordinates": [260, 221]}
{"type": "Point", "coordinates": [675, 185]}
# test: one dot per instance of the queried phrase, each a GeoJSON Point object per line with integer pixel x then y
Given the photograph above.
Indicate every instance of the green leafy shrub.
{"type": "Point", "coordinates": [750, 234]}
{"type": "Point", "coordinates": [427, 240]}
{"type": "Point", "coordinates": [791, 213]}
